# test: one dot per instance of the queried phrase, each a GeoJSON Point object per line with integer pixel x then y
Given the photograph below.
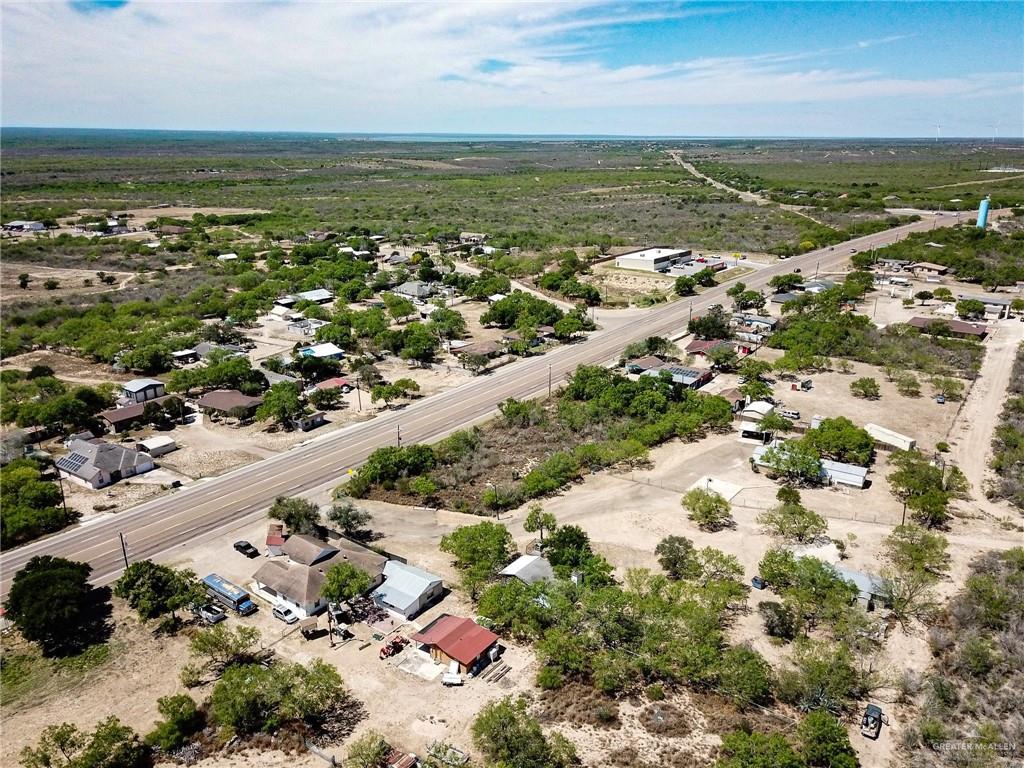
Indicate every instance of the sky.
{"type": "Point", "coordinates": [797, 69]}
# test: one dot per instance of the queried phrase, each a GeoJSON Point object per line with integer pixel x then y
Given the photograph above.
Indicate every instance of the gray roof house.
{"type": "Point", "coordinates": [529, 569]}
{"type": "Point", "coordinates": [407, 590]}
{"type": "Point", "coordinates": [296, 579]}
{"type": "Point", "coordinates": [99, 464]}
{"type": "Point", "coordinates": [415, 289]}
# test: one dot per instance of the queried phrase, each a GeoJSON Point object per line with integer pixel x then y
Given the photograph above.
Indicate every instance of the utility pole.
{"type": "Point", "coordinates": [689, 316]}
{"type": "Point", "coordinates": [60, 484]}
{"type": "Point", "coordinates": [816, 265]}
{"type": "Point", "coordinates": [124, 549]}
{"type": "Point", "coordinates": [399, 427]}
{"type": "Point", "coordinates": [359, 396]}
{"type": "Point", "coordinates": [549, 379]}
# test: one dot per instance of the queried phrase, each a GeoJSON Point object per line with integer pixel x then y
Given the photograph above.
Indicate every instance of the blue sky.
{"type": "Point", "coordinates": [578, 66]}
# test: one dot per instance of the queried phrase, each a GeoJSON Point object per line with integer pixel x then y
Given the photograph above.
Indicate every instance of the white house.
{"type": "Point", "coordinates": [653, 259]}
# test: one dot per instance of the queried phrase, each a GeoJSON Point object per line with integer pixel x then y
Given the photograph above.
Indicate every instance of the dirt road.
{"type": "Point", "coordinates": [972, 431]}
{"type": "Point", "coordinates": [747, 197]}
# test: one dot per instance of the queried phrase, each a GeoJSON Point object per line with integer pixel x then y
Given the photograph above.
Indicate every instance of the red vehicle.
{"type": "Point", "coordinates": [393, 646]}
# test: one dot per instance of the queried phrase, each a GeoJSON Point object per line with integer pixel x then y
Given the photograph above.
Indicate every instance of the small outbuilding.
{"type": "Point", "coordinates": [455, 639]}
{"type": "Point", "coordinates": [407, 590]}
{"type": "Point", "coordinates": [141, 390]}
{"type": "Point", "coordinates": [157, 446]}
{"type": "Point", "coordinates": [529, 569]}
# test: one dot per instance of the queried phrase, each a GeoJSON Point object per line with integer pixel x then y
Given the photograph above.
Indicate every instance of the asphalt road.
{"type": "Point", "coordinates": [184, 515]}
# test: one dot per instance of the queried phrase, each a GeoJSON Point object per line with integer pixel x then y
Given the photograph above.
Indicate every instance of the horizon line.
{"type": "Point", "coordinates": [454, 135]}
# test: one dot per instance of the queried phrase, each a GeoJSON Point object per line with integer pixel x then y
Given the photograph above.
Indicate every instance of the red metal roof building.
{"type": "Point", "coordinates": [454, 638]}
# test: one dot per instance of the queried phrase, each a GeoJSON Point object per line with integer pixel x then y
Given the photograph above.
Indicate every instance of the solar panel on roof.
{"type": "Point", "coordinates": [73, 462]}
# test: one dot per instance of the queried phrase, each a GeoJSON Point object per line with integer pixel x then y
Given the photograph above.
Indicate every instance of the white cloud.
{"type": "Point", "coordinates": [356, 66]}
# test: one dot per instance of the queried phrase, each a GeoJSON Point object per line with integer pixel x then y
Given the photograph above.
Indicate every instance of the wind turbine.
{"type": "Point", "coordinates": [938, 131]}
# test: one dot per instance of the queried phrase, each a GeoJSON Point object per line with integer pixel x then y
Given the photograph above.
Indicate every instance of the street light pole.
{"type": "Point", "coordinates": [549, 379]}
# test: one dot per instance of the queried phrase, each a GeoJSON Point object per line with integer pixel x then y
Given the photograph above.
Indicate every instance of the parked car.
{"type": "Point", "coordinates": [209, 613]}
{"type": "Point", "coordinates": [285, 614]}
{"type": "Point", "coordinates": [940, 399]}
{"type": "Point", "coordinates": [790, 414]}
{"type": "Point", "coordinates": [246, 549]}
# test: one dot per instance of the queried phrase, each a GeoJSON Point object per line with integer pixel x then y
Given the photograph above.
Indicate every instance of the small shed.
{"type": "Point", "coordinates": [529, 569]}
{"type": "Point", "coordinates": [756, 410]}
{"type": "Point", "coordinates": [890, 438]}
{"type": "Point", "coordinates": [157, 446]}
{"type": "Point", "coordinates": [840, 473]}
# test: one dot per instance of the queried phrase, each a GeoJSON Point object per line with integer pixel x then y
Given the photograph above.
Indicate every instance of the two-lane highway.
{"type": "Point", "coordinates": [157, 526]}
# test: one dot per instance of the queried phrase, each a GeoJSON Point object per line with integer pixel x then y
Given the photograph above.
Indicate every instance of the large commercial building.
{"type": "Point", "coordinates": [653, 259]}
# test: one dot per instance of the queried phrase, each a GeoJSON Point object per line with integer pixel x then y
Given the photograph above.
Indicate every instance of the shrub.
{"type": "Point", "coordinates": [778, 619]}
{"type": "Point", "coordinates": [708, 509]}
{"type": "Point", "coordinates": [182, 719]}
{"type": "Point", "coordinates": [865, 387]}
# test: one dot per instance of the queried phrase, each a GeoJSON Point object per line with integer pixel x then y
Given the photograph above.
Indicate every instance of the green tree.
{"type": "Point", "coordinates": [344, 581]}
{"type": "Point", "coordinates": [351, 519]}
{"type": "Point", "coordinates": [685, 286]}
{"type": "Point", "coordinates": [773, 423]}
{"type": "Point", "coordinates": [154, 590]}
{"type": "Point", "coordinates": [298, 515]}
{"type": "Point", "coordinates": [220, 646]}
{"type": "Point", "coordinates": [537, 520]}
{"type": "Point", "coordinates": [281, 403]}
{"type": "Point", "coordinates": [52, 603]}
{"type": "Point", "coordinates": [949, 388]}
{"type": "Point", "coordinates": [715, 324]}
{"type": "Point", "coordinates": [480, 551]}
{"type": "Point", "coordinates": [823, 676]}
{"type": "Point", "coordinates": [181, 720]}
{"type": "Point", "coordinates": [447, 323]}
{"type": "Point", "coordinates": [111, 745]}
{"type": "Point", "coordinates": [793, 522]}
{"type": "Point", "coordinates": [398, 307]}
{"type": "Point", "coordinates": [908, 385]}
{"type": "Point", "coordinates": [970, 309]}
{"type": "Point", "coordinates": [924, 296]}
{"type": "Point", "coordinates": [796, 461]}
{"type": "Point", "coordinates": [865, 387]}
{"type": "Point", "coordinates": [840, 439]}
{"type": "Point", "coordinates": [708, 509]}
{"type": "Point", "coordinates": [508, 735]}
{"type": "Point", "coordinates": [824, 742]}
{"type": "Point", "coordinates": [723, 357]}
{"type": "Point", "coordinates": [914, 548]}
{"type": "Point", "coordinates": [786, 282]}
{"type": "Point", "coordinates": [744, 676]}
{"type": "Point", "coordinates": [943, 294]}
{"type": "Point", "coordinates": [676, 555]}
{"type": "Point", "coordinates": [327, 399]}
{"type": "Point", "coordinates": [23, 280]}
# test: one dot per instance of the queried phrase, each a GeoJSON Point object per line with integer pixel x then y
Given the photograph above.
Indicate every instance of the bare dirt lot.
{"type": "Point", "coordinates": [67, 367]}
